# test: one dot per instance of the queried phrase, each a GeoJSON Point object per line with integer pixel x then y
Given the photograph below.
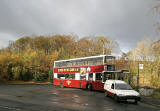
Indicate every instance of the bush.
{"type": "Point", "coordinates": [51, 76]}
{"type": "Point", "coordinates": [156, 93]}
{"type": "Point", "coordinates": [27, 76]}
{"type": "Point", "coordinates": [155, 82]}
{"type": "Point", "coordinates": [38, 78]}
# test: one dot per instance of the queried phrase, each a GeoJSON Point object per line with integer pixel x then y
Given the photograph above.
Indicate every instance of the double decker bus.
{"type": "Point", "coordinates": [87, 72]}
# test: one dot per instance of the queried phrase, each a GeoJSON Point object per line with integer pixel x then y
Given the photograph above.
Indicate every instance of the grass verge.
{"type": "Point", "coordinates": [156, 94]}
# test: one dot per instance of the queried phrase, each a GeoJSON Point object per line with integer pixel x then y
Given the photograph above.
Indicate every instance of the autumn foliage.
{"type": "Point", "coordinates": [148, 54]}
{"type": "Point", "coordinates": [32, 58]}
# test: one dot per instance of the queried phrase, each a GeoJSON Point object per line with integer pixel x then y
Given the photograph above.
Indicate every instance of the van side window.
{"type": "Point", "coordinates": [112, 86]}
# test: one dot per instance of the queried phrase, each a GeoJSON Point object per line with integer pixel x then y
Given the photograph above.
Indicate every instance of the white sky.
{"type": "Point", "coordinates": [127, 21]}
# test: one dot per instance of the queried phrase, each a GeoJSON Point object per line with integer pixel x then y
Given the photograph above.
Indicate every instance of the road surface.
{"type": "Point", "coordinates": [50, 98]}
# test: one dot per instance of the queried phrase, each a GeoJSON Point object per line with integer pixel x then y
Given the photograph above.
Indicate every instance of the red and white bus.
{"type": "Point", "coordinates": [87, 72]}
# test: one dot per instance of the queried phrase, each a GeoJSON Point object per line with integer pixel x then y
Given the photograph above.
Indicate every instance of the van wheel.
{"type": "Point", "coordinates": [89, 87]}
{"type": "Point", "coordinates": [116, 98]}
{"type": "Point", "coordinates": [105, 94]}
{"type": "Point", "coordinates": [135, 102]}
{"type": "Point", "coordinates": [62, 84]}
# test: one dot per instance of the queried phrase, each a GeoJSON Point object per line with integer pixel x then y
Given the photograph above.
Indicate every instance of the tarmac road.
{"type": "Point", "coordinates": [49, 98]}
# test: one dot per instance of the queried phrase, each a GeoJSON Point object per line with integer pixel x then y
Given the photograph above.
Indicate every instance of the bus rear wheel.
{"type": "Point", "coordinates": [89, 87]}
{"type": "Point", "coordinates": [105, 94]}
{"type": "Point", "coordinates": [62, 84]}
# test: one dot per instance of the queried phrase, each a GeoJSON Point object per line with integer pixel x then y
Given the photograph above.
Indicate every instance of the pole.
{"type": "Point", "coordinates": [103, 48]}
{"type": "Point", "coordinates": [103, 52]}
{"type": "Point", "coordinates": [138, 78]}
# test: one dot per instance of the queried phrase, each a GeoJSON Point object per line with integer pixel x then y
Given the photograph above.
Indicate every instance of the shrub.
{"type": "Point", "coordinates": [156, 93]}
{"type": "Point", "coordinates": [38, 78]}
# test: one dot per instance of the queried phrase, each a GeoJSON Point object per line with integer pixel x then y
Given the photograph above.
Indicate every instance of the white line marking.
{"type": "Point", "coordinates": [11, 108]}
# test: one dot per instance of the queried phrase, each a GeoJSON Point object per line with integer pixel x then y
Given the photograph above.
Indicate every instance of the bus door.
{"type": "Point", "coordinates": [97, 83]}
{"type": "Point", "coordinates": [107, 76]}
{"type": "Point", "coordinates": [113, 76]}
{"type": "Point", "coordinates": [83, 80]}
{"type": "Point", "coordinates": [72, 80]}
{"type": "Point", "coordinates": [90, 76]}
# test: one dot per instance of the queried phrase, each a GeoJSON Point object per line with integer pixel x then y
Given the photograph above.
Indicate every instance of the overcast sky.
{"type": "Point", "coordinates": [127, 21]}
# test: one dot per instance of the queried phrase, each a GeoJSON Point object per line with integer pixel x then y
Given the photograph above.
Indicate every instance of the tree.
{"type": "Point", "coordinates": [146, 54]}
{"type": "Point", "coordinates": [31, 58]}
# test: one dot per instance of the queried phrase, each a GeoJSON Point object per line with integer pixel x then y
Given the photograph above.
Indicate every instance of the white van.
{"type": "Point", "coordinates": [120, 91]}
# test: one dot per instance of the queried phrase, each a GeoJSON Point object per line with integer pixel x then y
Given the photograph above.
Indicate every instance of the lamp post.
{"type": "Point", "coordinates": [138, 78]}
{"type": "Point", "coordinates": [140, 66]}
{"type": "Point", "coordinates": [103, 47]}
{"type": "Point", "coordinates": [103, 51]}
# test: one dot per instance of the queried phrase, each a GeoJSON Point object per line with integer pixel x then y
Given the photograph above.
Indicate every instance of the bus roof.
{"type": "Point", "coordinates": [84, 58]}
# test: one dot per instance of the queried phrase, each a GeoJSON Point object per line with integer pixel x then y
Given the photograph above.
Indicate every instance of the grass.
{"type": "Point", "coordinates": [26, 82]}
{"type": "Point", "coordinates": [156, 94]}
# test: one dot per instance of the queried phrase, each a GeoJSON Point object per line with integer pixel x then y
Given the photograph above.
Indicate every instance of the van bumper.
{"type": "Point", "coordinates": [125, 98]}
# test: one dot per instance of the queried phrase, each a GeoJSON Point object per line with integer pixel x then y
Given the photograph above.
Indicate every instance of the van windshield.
{"type": "Point", "coordinates": [122, 86]}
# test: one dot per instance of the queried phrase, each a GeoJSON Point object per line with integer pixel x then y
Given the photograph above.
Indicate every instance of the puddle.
{"type": "Point", "coordinates": [19, 96]}
{"type": "Point", "coordinates": [75, 96]}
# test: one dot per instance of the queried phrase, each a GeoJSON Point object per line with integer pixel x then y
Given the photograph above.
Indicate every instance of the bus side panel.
{"type": "Point", "coordinates": [83, 84]}
{"type": "Point", "coordinates": [77, 84]}
{"type": "Point", "coordinates": [56, 81]}
{"type": "Point", "coordinates": [72, 83]}
{"type": "Point", "coordinates": [67, 83]}
{"type": "Point", "coordinates": [97, 85]}
{"type": "Point", "coordinates": [97, 68]}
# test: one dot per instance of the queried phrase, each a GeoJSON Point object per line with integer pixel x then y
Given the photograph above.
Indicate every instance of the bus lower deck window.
{"type": "Point", "coordinates": [98, 76]}
{"type": "Point", "coordinates": [70, 76]}
{"type": "Point", "coordinates": [90, 76]}
{"type": "Point", "coordinates": [61, 76]}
